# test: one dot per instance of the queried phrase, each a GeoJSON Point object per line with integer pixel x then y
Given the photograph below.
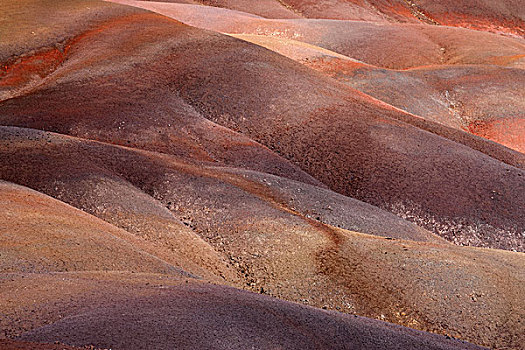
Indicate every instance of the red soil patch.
{"type": "Point", "coordinates": [26, 68]}
{"type": "Point", "coordinates": [510, 133]}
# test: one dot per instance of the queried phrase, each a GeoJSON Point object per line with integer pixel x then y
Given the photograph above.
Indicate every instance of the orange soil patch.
{"type": "Point", "coordinates": [28, 72]}
{"type": "Point", "coordinates": [508, 132]}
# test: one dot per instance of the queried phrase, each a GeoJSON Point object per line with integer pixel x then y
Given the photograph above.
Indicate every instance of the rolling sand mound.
{"type": "Point", "coordinates": [168, 313]}
{"type": "Point", "coordinates": [388, 45]}
{"type": "Point", "coordinates": [149, 168]}
{"type": "Point", "coordinates": [53, 21]}
{"type": "Point", "coordinates": [99, 192]}
{"type": "Point", "coordinates": [485, 100]}
{"type": "Point", "coordinates": [41, 234]}
{"type": "Point", "coordinates": [284, 106]}
{"type": "Point", "coordinates": [285, 249]}
{"type": "Point", "coordinates": [212, 317]}
{"type": "Point", "coordinates": [264, 8]}
{"type": "Point", "coordinates": [505, 17]}
{"type": "Point", "coordinates": [111, 182]}
{"type": "Point", "coordinates": [474, 108]}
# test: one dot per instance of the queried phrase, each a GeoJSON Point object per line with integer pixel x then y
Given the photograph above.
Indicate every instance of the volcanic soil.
{"type": "Point", "coordinates": [297, 175]}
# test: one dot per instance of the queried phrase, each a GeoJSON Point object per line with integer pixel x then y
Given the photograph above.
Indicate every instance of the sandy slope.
{"type": "Point", "coordinates": [41, 234]}
{"type": "Point", "coordinates": [385, 44]}
{"type": "Point", "coordinates": [485, 100]}
{"type": "Point", "coordinates": [272, 232]}
{"type": "Point", "coordinates": [487, 105]}
{"type": "Point", "coordinates": [196, 157]}
{"type": "Point", "coordinates": [164, 312]}
{"type": "Point", "coordinates": [504, 17]}
{"type": "Point", "coordinates": [284, 106]}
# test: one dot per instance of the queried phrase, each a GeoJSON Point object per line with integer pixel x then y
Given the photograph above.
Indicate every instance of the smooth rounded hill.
{"type": "Point", "coordinates": [485, 100]}
{"type": "Point", "coordinates": [42, 234]}
{"type": "Point", "coordinates": [264, 8]}
{"type": "Point", "coordinates": [504, 17]}
{"type": "Point", "coordinates": [388, 45]}
{"type": "Point", "coordinates": [165, 314]}
{"type": "Point", "coordinates": [53, 21]}
{"type": "Point", "coordinates": [144, 222]}
{"type": "Point", "coordinates": [316, 123]}
{"type": "Point", "coordinates": [280, 236]}
{"type": "Point", "coordinates": [127, 187]}
{"type": "Point", "coordinates": [487, 105]}
{"type": "Point", "coordinates": [149, 168]}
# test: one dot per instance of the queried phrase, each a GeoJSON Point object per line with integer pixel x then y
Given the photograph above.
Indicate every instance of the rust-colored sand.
{"type": "Point", "coordinates": [170, 186]}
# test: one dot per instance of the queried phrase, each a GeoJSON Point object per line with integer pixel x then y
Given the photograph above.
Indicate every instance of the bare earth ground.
{"type": "Point", "coordinates": [288, 175]}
